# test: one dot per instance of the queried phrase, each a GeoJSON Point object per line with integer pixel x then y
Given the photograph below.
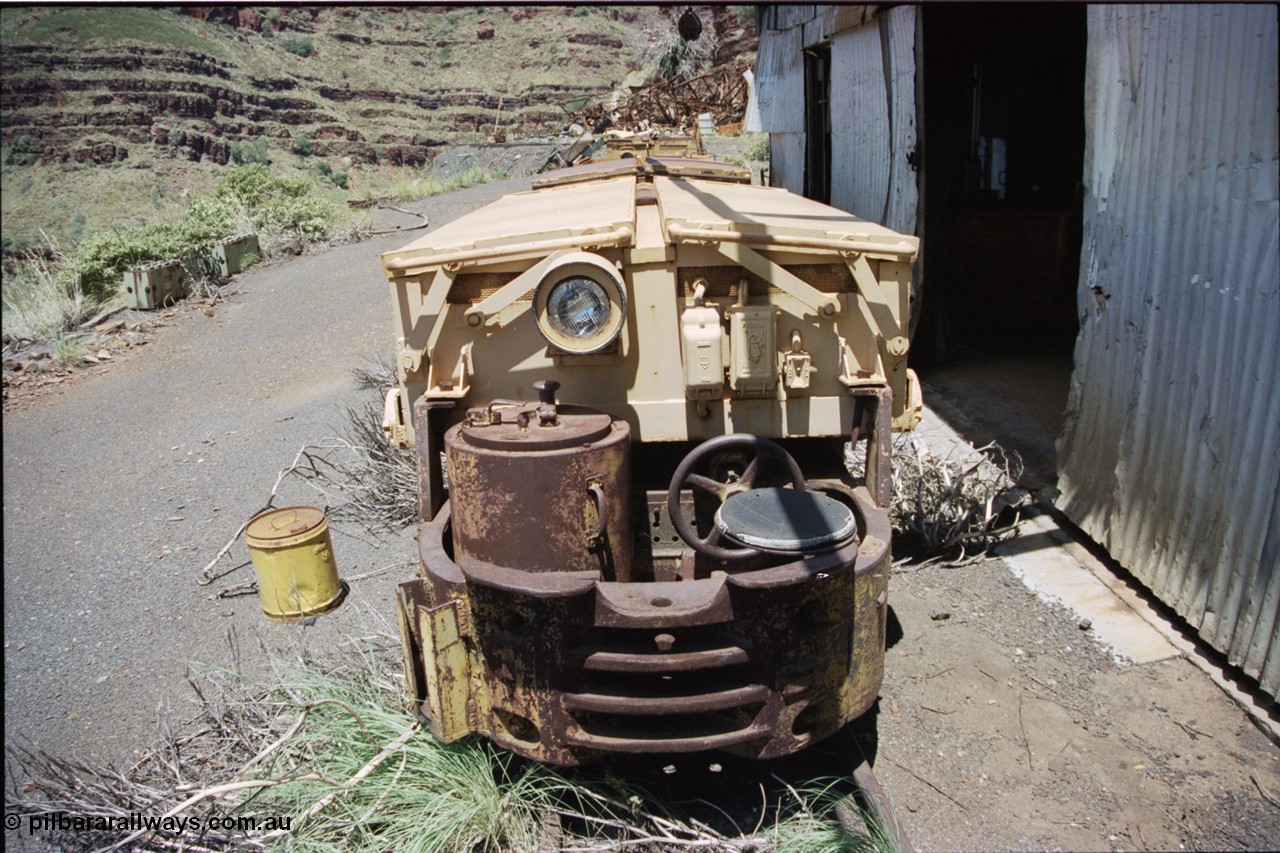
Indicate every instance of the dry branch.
{"type": "Point", "coordinates": [953, 508]}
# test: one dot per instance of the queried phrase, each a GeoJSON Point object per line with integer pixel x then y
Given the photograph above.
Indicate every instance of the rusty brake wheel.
{"type": "Point", "coordinates": [765, 452]}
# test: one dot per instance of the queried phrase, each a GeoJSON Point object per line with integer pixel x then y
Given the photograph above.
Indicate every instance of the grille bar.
{"type": "Point", "coordinates": [640, 706]}
{"type": "Point", "coordinates": [672, 662]}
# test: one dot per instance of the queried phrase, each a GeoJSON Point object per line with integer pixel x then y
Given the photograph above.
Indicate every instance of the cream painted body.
{"type": "Point", "coordinates": [488, 346]}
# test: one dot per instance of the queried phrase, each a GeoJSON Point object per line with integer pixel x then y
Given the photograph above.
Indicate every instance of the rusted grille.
{"type": "Point", "coordinates": [722, 280]}
{"type": "Point", "coordinates": [472, 287]}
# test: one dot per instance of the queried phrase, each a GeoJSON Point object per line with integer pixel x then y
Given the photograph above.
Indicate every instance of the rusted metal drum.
{"type": "Point", "coordinates": [293, 556]}
{"type": "Point", "coordinates": [545, 494]}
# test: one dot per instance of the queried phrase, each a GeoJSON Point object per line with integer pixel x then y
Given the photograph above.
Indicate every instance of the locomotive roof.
{"type": "Point", "coordinates": [696, 200]}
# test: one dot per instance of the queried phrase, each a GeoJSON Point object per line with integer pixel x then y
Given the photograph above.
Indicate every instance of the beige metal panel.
{"type": "Point", "coordinates": [1170, 456]}
{"type": "Point", "coordinates": [572, 209]}
{"type": "Point", "coordinates": [767, 211]}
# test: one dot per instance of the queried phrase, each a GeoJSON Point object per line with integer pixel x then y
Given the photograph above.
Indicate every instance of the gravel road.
{"type": "Point", "coordinates": [119, 489]}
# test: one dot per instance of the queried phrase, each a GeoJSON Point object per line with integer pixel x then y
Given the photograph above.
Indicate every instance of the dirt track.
{"type": "Point", "coordinates": [1003, 727]}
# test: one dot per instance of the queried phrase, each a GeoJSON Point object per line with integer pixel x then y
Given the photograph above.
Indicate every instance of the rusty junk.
{"type": "Point", "coordinates": [628, 391]}
{"type": "Point", "coordinates": [672, 104]}
{"type": "Point", "coordinates": [542, 626]}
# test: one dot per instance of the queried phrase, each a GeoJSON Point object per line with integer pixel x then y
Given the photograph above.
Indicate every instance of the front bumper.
{"type": "Point", "coordinates": [565, 667]}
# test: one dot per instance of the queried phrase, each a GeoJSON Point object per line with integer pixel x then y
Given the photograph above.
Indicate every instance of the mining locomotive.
{"type": "Point", "coordinates": [629, 391]}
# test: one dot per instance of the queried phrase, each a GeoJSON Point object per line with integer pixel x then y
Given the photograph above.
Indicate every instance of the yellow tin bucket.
{"type": "Point", "coordinates": [293, 556]}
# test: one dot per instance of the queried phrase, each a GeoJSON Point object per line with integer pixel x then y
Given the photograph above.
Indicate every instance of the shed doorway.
{"type": "Point", "coordinates": [817, 111]}
{"type": "Point", "coordinates": [1001, 91]}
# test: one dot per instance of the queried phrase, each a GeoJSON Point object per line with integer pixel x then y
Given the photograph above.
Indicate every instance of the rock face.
{"type": "Point", "coordinates": [97, 102]}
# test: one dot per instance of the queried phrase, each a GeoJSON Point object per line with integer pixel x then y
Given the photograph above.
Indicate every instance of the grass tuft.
{"type": "Point", "coordinates": [38, 304]}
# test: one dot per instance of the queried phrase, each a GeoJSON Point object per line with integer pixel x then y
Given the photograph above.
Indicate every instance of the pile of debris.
{"type": "Point", "coordinates": [670, 104]}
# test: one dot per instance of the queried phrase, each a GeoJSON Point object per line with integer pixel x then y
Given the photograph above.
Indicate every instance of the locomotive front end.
{"type": "Point", "coordinates": [629, 391]}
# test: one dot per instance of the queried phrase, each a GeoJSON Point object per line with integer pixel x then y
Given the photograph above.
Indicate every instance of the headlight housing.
{"type": "Point", "coordinates": [580, 304]}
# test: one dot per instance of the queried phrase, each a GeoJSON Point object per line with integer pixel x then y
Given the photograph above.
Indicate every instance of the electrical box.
{"type": "Point", "coordinates": [150, 286]}
{"type": "Point", "coordinates": [230, 254]}
{"type": "Point", "coordinates": [702, 342]}
{"type": "Point", "coordinates": [753, 368]}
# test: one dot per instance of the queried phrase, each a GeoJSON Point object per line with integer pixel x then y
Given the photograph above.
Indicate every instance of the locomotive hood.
{"type": "Point", "coordinates": [697, 200]}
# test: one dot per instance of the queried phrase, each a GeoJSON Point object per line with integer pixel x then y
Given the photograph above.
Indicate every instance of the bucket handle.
{"type": "Point", "coordinates": [291, 518]}
{"type": "Point", "coordinates": [594, 489]}
{"type": "Point", "coordinates": [280, 520]}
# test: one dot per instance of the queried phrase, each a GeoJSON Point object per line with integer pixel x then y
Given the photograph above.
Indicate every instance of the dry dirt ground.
{"type": "Point", "coordinates": [1004, 726]}
{"type": "Point", "coordinates": [1007, 727]}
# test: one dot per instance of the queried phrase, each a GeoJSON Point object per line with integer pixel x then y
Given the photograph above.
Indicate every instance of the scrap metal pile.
{"type": "Point", "coordinates": [672, 104]}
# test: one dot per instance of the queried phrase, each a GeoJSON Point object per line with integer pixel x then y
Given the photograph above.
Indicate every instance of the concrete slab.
{"type": "Point", "coordinates": [1042, 557]}
{"type": "Point", "coordinates": [1039, 556]}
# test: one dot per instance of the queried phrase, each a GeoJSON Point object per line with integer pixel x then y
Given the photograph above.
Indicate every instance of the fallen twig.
{"type": "Point", "coordinates": [1025, 743]}
{"type": "Point", "coordinates": [215, 791]}
{"type": "Point", "coordinates": [387, 751]}
{"type": "Point", "coordinates": [920, 778]}
{"type": "Point", "coordinates": [1191, 731]}
{"type": "Point", "coordinates": [1253, 777]}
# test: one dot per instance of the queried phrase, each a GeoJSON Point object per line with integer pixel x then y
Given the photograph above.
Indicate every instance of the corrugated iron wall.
{"type": "Point", "coordinates": [873, 119]}
{"type": "Point", "coordinates": [780, 89]}
{"type": "Point", "coordinates": [1170, 457]}
{"type": "Point", "coordinates": [873, 105]}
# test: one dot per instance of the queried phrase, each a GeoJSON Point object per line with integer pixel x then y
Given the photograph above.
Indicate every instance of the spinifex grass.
{"type": "Point", "coordinates": [322, 755]}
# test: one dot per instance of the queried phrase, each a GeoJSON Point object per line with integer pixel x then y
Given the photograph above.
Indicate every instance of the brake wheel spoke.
{"type": "Point", "coordinates": [706, 484]}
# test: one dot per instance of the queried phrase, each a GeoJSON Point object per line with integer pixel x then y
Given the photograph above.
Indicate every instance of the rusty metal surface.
{"type": "Point", "coordinates": [533, 491]}
{"type": "Point", "coordinates": [563, 667]}
{"type": "Point", "coordinates": [429, 421]}
{"type": "Point", "coordinates": [873, 421]}
{"type": "Point", "coordinates": [881, 809]}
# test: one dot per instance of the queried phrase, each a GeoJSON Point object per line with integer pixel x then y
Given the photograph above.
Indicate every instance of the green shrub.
{"type": "Point", "coordinates": [250, 198]}
{"type": "Point", "coordinates": [244, 153]}
{"type": "Point", "coordinates": [758, 149]}
{"type": "Point", "coordinates": [298, 46]}
{"type": "Point", "coordinates": [338, 179]}
{"type": "Point", "coordinates": [302, 146]}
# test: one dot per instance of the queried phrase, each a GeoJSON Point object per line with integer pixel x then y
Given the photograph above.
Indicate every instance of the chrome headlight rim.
{"type": "Point", "coordinates": [600, 273]}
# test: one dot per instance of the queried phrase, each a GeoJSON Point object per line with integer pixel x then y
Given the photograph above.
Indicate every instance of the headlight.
{"type": "Point", "coordinates": [577, 307]}
{"type": "Point", "coordinates": [580, 304]}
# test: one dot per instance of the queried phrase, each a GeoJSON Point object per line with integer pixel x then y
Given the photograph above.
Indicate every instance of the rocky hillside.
{"type": "Point", "coordinates": [113, 110]}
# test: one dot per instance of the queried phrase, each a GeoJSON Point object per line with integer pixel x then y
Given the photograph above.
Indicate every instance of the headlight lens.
{"type": "Point", "coordinates": [578, 307]}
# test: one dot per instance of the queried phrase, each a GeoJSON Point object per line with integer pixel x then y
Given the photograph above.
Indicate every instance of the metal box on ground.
{"type": "Point", "coordinates": [230, 254]}
{"type": "Point", "coordinates": [153, 285]}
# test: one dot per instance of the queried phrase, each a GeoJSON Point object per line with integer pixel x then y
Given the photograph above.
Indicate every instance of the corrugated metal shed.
{"type": "Point", "coordinates": [873, 119]}
{"type": "Point", "coordinates": [780, 93]}
{"type": "Point", "coordinates": [780, 81]}
{"type": "Point", "coordinates": [873, 105]}
{"type": "Point", "coordinates": [1170, 456]}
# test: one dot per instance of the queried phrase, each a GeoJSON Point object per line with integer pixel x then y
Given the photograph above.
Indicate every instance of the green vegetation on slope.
{"type": "Point", "coordinates": [78, 26]}
{"type": "Point", "coordinates": [46, 293]}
